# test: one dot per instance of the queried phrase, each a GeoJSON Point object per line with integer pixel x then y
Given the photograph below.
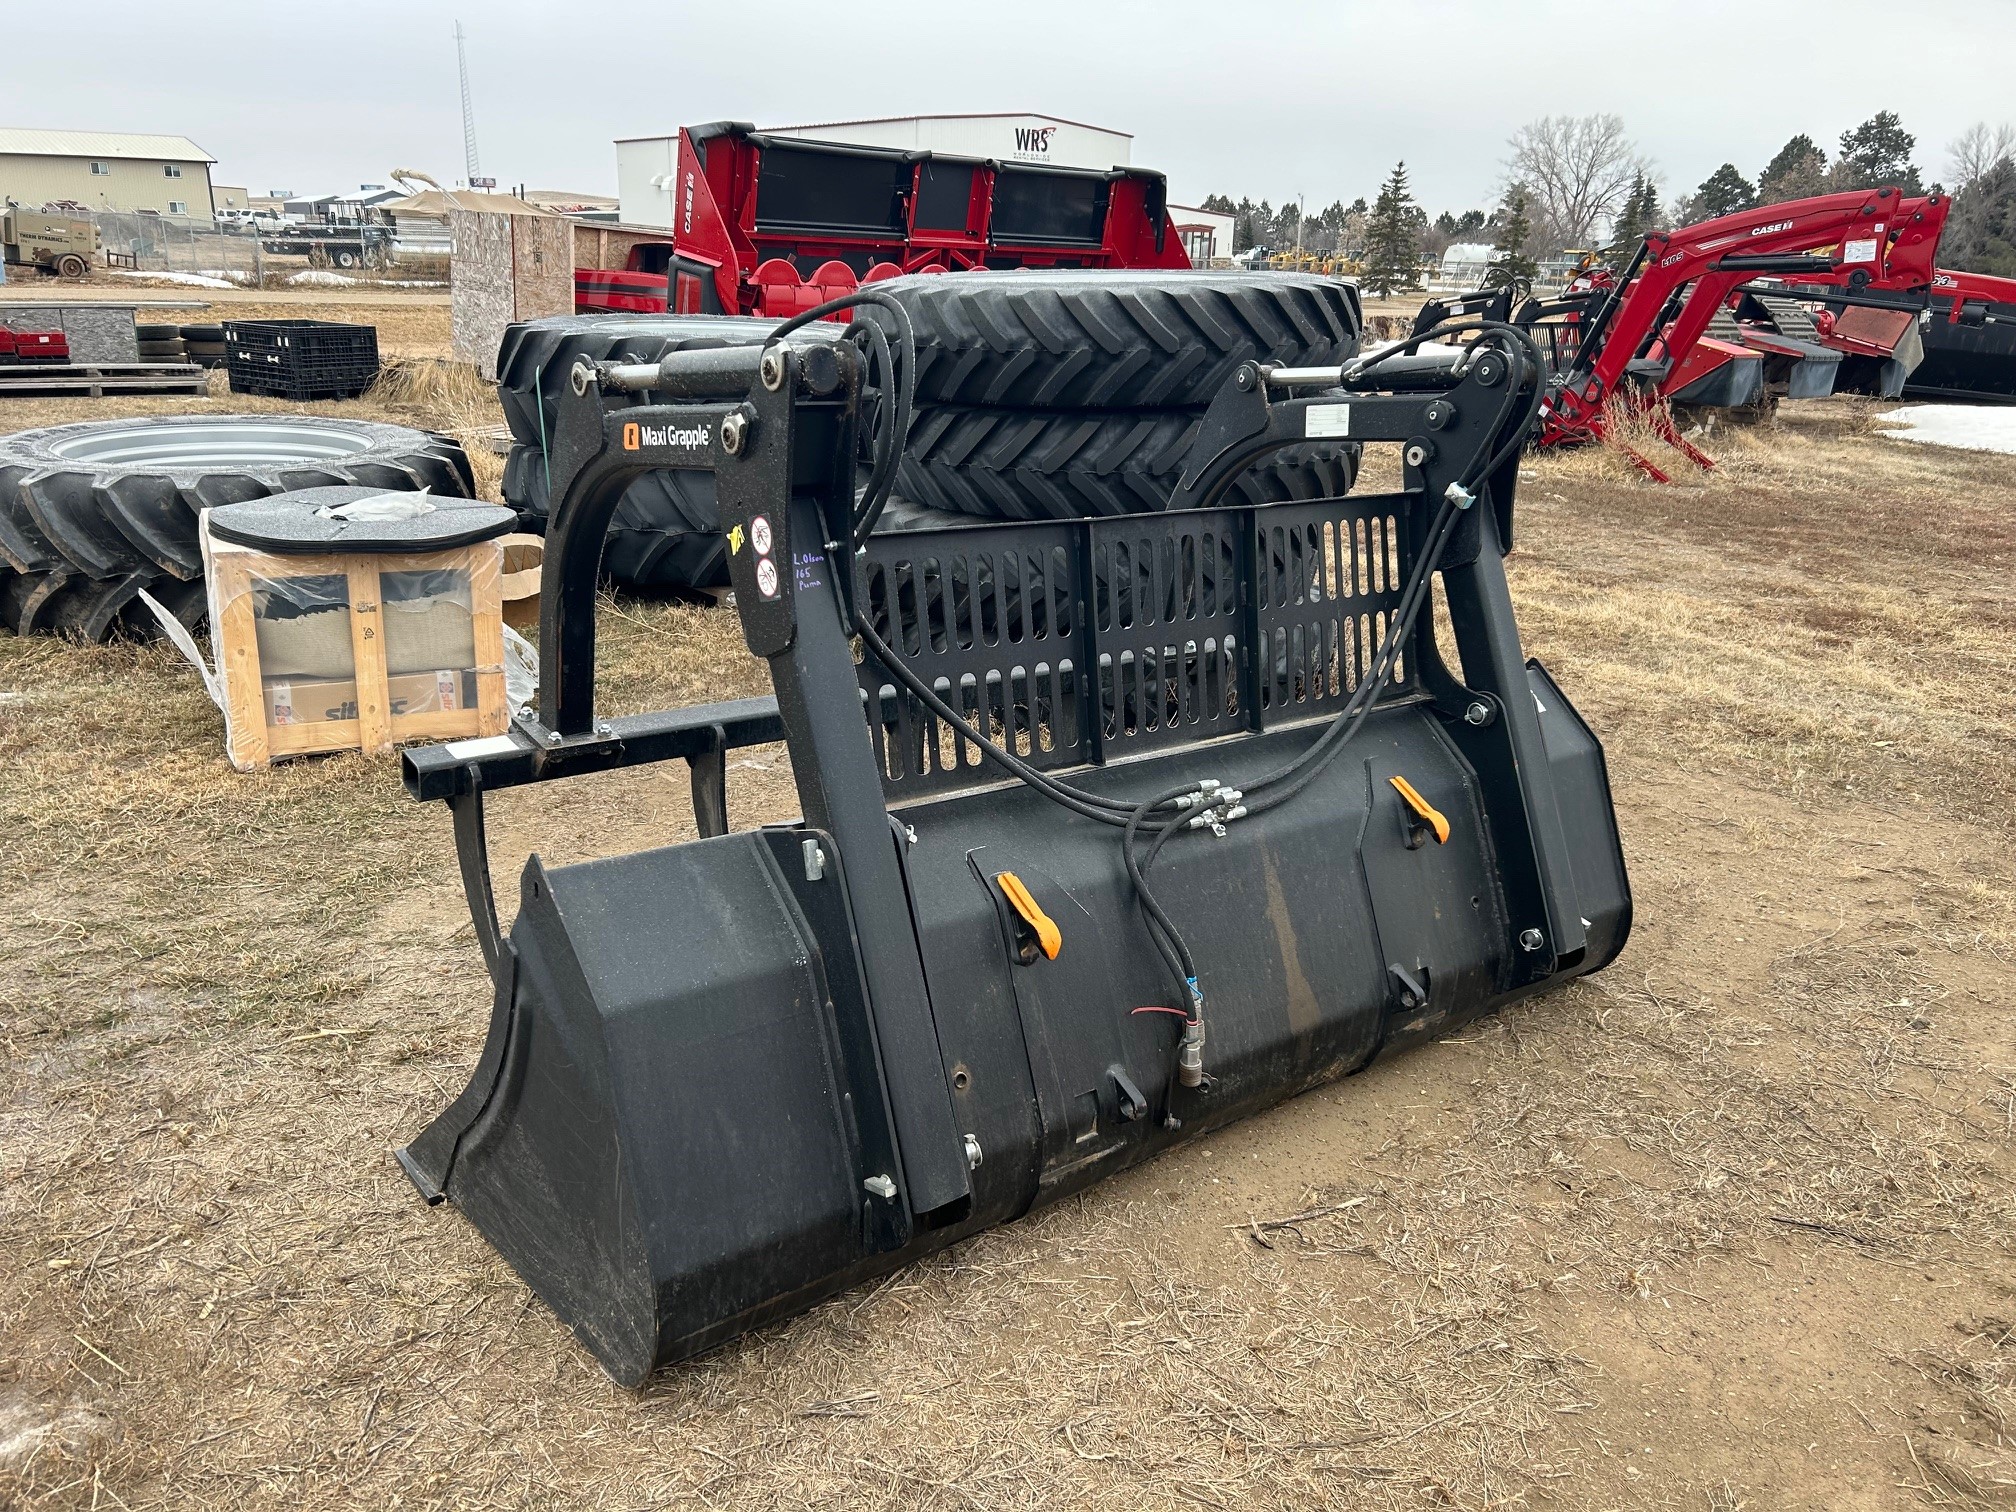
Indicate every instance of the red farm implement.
{"type": "Point", "coordinates": [1920, 332]}
{"type": "Point", "coordinates": [771, 225]}
{"type": "Point", "coordinates": [1662, 331]}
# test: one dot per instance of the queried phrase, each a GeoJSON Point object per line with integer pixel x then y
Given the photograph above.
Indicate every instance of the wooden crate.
{"type": "Point", "coordinates": [237, 575]}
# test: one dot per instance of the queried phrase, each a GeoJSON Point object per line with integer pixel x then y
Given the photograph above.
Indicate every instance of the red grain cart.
{"type": "Point", "coordinates": [771, 225]}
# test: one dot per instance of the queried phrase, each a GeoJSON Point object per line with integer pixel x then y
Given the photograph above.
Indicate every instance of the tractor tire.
{"type": "Point", "coordinates": [147, 333]}
{"type": "Point", "coordinates": [1043, 464]}
{"type": "Point", "coordinates": [664, 537]}
{"type": "Point", "coordinates": [162, 351]}
{"type": "Point", "coordinates": [203, 333]}
{"type": "Point", "coordinates": [536, 356]}
{"type": "Point", "coordinates": [91, 513]}
{"type": "Point", "coordinates": [1113, 340]}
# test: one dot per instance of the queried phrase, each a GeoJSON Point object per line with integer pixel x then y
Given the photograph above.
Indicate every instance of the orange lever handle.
{"type": "Point", "coordinates": [1049, 938]}
{"type": "Point", "coordinates": [1429, 815]}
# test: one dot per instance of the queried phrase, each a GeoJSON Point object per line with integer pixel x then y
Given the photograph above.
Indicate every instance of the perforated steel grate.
{"type": "Point", "coordinates": [1073, 642]}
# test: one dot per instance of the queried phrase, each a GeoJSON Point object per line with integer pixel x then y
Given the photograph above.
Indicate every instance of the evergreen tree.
{"type": "Point", "coordinates": [1876, 153]}
{"type": "Point", "coordinates": [1799, 171]}
{"type": "Point", "coordinates": [1512, 262]}
{"type": "Point", "coordinates": [1393, 237]}
{"type": "Point", "coordinates": [1723, 192]}
{"type": "Point", "coordinates": [1638, 216]}
{"type": "Point", "coordinates": [1981, 236]}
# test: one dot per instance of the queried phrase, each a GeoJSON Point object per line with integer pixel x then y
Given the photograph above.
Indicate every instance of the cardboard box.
{"type": "Point", "coordinates": [292, 701]}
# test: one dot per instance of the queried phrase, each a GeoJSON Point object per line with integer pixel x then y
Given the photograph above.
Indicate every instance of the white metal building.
{"type": "Point", "coordinates": [646, 166]}
{"type": "Point", "coordinates": [1005, 137]}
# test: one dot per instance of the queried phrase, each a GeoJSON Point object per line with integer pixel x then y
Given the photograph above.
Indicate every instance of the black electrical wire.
{"type": "Point", "coordinates": [1167, 816]}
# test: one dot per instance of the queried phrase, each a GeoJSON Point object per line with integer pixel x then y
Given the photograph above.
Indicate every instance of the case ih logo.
{"type": "Point", "coordinates": [1774, 226]}
{"type": "Point", "coordinates": [1033, 141]}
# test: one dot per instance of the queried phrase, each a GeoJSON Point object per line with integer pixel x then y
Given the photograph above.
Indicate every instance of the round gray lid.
{"type": "Point", "coordinates": [314, 521]}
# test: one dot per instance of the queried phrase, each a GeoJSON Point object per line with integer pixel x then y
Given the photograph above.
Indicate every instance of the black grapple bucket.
{"type": "Point", "coordinates": [726, 1078]}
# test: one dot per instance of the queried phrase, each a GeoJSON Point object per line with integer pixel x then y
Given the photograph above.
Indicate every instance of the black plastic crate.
{"type": "Point", "coordinates": [300, 359]}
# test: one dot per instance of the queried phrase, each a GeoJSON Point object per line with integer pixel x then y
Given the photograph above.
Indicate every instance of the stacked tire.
{"type": "Point", "coordinates": [204, 344]}
{"type": "Point", "coordinates": [666, 533]}
{"type": "Point", "coordinates": [1061, 395]}
{"type": "Point", "coordinates": [161, 343]}
{"type": "Point", "coordinates": [1041, 395]}
{"type": "Point", "coordinates": [91, 514]}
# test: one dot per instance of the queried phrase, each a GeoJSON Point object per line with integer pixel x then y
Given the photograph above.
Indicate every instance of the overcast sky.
{"type": "Point", "coordinates": [1237, 96]}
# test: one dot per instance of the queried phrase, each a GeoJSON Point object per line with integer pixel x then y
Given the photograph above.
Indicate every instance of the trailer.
{"type": "Point", "coordinates": [56, 245]}
{"type": "Point", "coordinates": [332, 246]}
{"type": "Point", "coordinates": [771, 225]}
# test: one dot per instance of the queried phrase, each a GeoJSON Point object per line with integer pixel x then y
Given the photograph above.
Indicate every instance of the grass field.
{"type": "Point", "coordinates": [1729, 1225]}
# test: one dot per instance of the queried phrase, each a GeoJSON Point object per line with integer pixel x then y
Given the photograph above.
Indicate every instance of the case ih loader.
{"type": "Point", "coordinates": [1644, 341]}
{"type": "Point", "coordinates": [1114, 830]}
{"type": "Point", "coordinates": [771, 225]}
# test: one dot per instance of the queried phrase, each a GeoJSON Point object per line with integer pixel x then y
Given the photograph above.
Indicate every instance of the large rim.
{"type": "Point", "coordinates": [210, 443]}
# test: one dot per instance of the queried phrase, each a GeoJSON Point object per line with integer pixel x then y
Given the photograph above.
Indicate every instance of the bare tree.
{"type": "Point", "coordinates": [1577, 170]}
{"type": "Point", "coordinates": [1977, 149]}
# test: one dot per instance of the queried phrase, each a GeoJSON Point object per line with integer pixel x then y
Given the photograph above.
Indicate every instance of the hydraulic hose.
{"type": "Point", "coordinates": [1194, 804]}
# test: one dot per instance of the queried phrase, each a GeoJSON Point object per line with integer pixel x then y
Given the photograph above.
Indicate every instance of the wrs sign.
{"type": "Point", "coordinates": [1032, 143]}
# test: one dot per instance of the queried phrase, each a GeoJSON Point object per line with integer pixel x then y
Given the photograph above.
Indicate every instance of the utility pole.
{"type": "Point", "coordinates": [474, 168]}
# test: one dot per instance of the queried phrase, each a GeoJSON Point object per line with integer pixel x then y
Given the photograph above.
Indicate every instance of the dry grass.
{"type": "Point", "coordinates": [1730, 1225]}
{"type": "Point", "coordinates": [410, 323]}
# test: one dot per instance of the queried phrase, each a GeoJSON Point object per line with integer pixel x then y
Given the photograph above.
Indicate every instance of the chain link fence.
{"type": "Point", "coordinates": [239, 255]}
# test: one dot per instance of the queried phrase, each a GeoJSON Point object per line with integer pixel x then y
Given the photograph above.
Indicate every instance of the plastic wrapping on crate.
{"type": "Point", "coordinates": [349, 651]}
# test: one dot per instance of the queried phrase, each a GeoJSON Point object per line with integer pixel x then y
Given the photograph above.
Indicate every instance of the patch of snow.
{"type": "Point", "coordinates": [192, 280]}
{"type": "Point", "coordinates": [1971, 427]}
{"type": "Point", "coordinates": [321, 279]}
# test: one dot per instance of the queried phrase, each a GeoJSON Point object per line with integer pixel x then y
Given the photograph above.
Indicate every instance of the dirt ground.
{"type": "Point", "coordinates": [1729, 1225]}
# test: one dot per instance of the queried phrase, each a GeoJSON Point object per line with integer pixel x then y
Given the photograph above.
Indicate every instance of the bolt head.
{"type": "Point", "coordinates": [1416, 455]}
{"type": "Point", "coordinates": [734, 431]}
{"type": "Point", "coordinates": [1531, 939]}
{"type": "Point", "coordinates": [771, 369]}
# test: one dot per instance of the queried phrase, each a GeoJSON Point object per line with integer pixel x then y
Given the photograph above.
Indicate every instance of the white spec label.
{"type": "Point", "coordinates": [1327, 420]}
{"type": "Point", "coordinates": [1859, 251]}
